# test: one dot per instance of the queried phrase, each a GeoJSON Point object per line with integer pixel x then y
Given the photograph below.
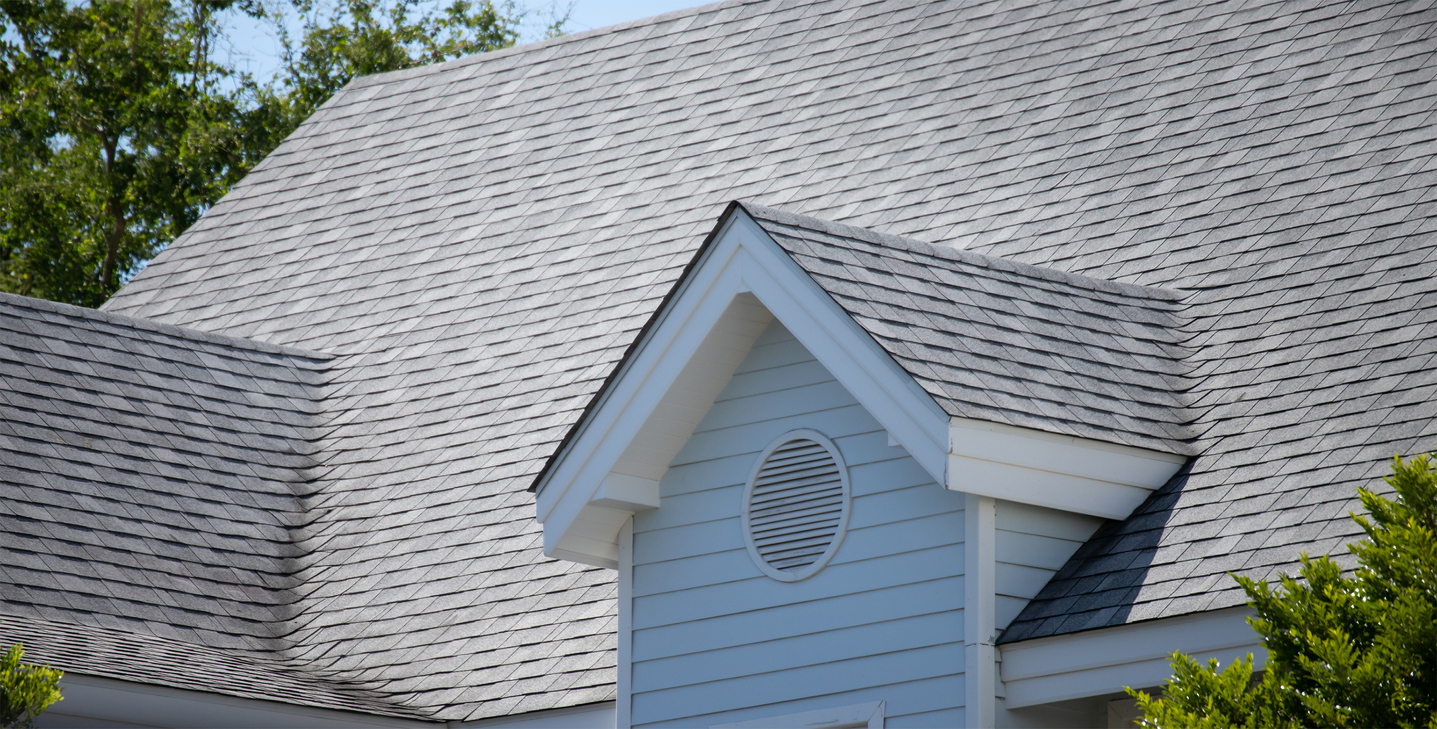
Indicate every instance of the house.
{"type": "Point", "coordinates": [1060, 312]}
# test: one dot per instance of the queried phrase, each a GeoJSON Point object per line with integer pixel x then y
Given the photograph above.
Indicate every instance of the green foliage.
{"type": "Point", "coordinates": [344, 39]}
{"type": "Point", "coordinates": [1343, 651]}
{"type": "Point", "coordinates": [118, 128]}
{"type": "Point", "coordinates": [25, 690]}
{"type": "Point", "coordinates": [113, 139]}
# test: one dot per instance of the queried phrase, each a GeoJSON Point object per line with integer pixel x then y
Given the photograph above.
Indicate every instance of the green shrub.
{"type": "Point", "coordinates": [1343, 651]}
{"type": "Point", "coordinates": [25, 690]}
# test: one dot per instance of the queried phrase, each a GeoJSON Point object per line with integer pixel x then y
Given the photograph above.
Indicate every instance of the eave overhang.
{"type": "Point", "coordinates": [1107, 660]}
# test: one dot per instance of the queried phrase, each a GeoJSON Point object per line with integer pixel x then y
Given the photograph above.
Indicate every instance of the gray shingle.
{"type": "Point", "coordinates": [1011, 328]}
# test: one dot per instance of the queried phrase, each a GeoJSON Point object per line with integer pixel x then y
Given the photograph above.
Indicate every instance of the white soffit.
{"type": "Point", "coordinates": [1057, 471]}
{"type": "Point", "coordinates": [611, 468]}
{"type": "Point", "coordinates": [1105, 661]}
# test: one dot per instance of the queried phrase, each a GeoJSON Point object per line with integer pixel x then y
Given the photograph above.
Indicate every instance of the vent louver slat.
{"type": "Point", "coordinates": [797, 506]}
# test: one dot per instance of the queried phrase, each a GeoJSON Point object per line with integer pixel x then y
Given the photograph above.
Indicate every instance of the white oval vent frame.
{"type": "Point", "coordinates": [795, 506]}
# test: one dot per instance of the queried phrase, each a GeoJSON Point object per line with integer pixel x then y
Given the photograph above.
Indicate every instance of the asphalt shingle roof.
{"type": "Point", "coordinates": [154, 481]}
{"type": "Point", "coordinates": [177, 488]}
{"type": "Point", "coordinates": [473, 245]}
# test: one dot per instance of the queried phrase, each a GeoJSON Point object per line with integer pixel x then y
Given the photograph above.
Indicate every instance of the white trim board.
{"type": "Point", "coordinates": [1057, 471]}
{"type": "Point", "coordinates": [96, 701]}
{"type": "Point", "coordinates": [980, 685]}
{"type": "Point", "coordinates": [588, 716]}
{"type": "Point", "coordinates": [1104, 661]}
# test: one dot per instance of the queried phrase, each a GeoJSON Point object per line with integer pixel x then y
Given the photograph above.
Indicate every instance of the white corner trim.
{"type": "Point", "coordinates": [624, 707]}
{"type": "Point", "coordinates": [610, 470]}
{"type": "Point", "coordinates": [980, 587]}
{"type": "Point", "coordinates": [856, 716]}
{"type": "Point", "coordinates": [1056, 471]}
{"type": "Point", "coordinates": [1104, 661]}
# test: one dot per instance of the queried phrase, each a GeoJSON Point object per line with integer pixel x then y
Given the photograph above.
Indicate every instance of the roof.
{"type": "Point", "coordinates": [154, 486]}
{"type": "Point", "coordinates": [473, 245]}
{"type": "Point", "coordinates": [1314, 365]}
{"type": "Point", "coordinates": [1007, 342]}
{"type": "Point", "coordinates": [174, 488]}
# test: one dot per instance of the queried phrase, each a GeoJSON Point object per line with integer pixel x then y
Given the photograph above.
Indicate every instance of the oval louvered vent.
{"type": "Point", "coordinates": [796, 506]}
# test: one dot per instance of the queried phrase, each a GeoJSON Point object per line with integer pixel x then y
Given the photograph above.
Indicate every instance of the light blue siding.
{"type": "Point", "coordinates": [922, 696]}
{"type": "Point", "coordinates": [927, 720]}
{"type": "Point", "coordinates": [713, 637]}
{"type": "Point", "coordinates": [1032, 543]}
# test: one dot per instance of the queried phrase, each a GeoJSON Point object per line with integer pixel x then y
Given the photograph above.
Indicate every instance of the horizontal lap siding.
{"type": "Point", "coordinates": [1032, 543]}
{"type": "Point", "coordinates": [713, 637]}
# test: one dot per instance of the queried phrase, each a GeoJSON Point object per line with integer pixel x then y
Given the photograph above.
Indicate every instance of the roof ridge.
{"type": "Point", "coordinates": [405, 74]}
{"type": "Point", "coordinates": [958, 254]}
{"type": "Point", "coordinates": [109, 317]}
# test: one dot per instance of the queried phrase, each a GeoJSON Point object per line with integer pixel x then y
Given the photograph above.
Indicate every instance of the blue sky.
{"type": "Point", "coordinates": [256, 50]}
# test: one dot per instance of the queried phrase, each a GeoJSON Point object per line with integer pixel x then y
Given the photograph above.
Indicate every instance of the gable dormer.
{"type": "Point", "coordinates": [988, 411]}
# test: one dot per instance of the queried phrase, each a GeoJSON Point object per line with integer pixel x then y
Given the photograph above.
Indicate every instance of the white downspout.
{"type": "Point", "coordinates": [980, 681]}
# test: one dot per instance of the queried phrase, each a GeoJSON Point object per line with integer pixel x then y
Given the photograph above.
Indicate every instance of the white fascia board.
{"type": "Point", "coordinates": [91, 699]}
{"type": "Point", "coordinates": [611, 468]}
{"type": "Point", "coordinates": [1056, 471]}
{"type": "Point", "coordinates": [1105, 661]}
{"type": "Point", "coordinates": [565, 495]}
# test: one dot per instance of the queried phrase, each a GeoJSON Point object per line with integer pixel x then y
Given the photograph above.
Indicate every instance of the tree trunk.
{"type": "Point", "coordinates": [114, 207]}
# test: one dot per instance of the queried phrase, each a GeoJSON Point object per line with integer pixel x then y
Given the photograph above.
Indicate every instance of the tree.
{"type": "Point", "coordinates": [344, 39]}
{"type": "Point", "coordinates": [113, 139]}
{"type": "Point", "coordinates": [25, 689]}
{"type": "Point", "coordinates": [1343, 651]}
{"type": "Point", "coordinates": [118, 128]}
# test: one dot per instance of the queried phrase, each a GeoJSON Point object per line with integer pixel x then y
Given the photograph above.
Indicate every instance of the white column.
{"type": "Point", "coordinates": [979, 588]}
{"type": "Point", "coordinates": [623, 713]}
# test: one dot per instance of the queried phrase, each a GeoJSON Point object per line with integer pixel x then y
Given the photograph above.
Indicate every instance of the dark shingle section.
{"type": "Point", "coordinates": [152, 482]}
{"type": "Point", "coordinates": [479, 241]}
{"type": "Point", "coordinates": [1007, 342]}
{"type": "Point", "coordinates": [177, 488]}
{"type": "Point", "coordinates": [151, 474]}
